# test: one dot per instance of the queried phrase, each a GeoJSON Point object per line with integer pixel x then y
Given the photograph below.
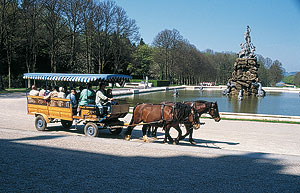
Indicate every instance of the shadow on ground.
{"type": "Point", "coordinates": [31, 168]}
{"type": "Point", "coordinates": [137, 134]}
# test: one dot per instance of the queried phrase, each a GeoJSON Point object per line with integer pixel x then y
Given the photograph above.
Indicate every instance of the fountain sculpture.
{"type": "Point", "coordinates": [244, 80]}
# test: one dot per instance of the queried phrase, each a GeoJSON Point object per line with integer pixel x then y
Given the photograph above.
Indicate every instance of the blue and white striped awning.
{"type": "Point", "coordinates": [77, 77]}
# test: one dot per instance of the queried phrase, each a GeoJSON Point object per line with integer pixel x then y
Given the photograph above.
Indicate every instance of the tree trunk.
{"type": "Point", "coordinates": [1, 83]}
{"type": "Point", "coordinates": [8, 53]}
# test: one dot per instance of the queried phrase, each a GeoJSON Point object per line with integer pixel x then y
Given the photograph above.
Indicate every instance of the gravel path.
{"type": "Point", "coordinates": [230, 156]}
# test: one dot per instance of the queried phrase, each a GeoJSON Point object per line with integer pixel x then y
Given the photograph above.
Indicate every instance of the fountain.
{"type": "Point", "coordinates": [244, 80]}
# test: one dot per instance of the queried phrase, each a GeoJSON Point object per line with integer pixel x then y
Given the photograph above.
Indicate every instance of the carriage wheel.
{"type": "Point", "coordinates": [115, 131]}
{"type": "Point", "coordinates": [66, 124]}
{"type": "Point", "coordinates": [40, 123]}
{"type": "Point", "coordinates": [91, 129]}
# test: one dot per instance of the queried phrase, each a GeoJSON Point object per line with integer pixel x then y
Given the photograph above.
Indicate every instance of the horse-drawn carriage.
{"type": "Point", "coordinates": [60, 109]}
{"type": "Point", "coordinates": [164, 115]}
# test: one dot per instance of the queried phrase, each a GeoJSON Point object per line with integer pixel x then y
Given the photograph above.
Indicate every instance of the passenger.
{"type": "Point", "coordinates": [102, 99]}
{"type": "Point", "coordinates": [78, 93]}
{"type": "Point", "coordinates": [42, 91]}
{"type": "Point", "coordinates": [61, 93]}
{"type": "Point", "coordinates": [34, 91]}
{"type": "Point", "coordinates": [87, 96]}
{"type": "Point", "coordinates": [66, 90]}
{"type": "Point", "coordinates": [72, 96]}
{"type": "Point", "coordinates": [49, 89]}
{"type": "Point", "coordinates": [53, 93]}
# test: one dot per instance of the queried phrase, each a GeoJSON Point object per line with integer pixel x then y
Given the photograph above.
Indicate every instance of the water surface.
{"type": "Point", "coordinates": [275, 103]}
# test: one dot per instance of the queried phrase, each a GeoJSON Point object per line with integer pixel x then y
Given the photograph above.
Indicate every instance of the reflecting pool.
{"type": "Point", "coordinates": [275, 103]}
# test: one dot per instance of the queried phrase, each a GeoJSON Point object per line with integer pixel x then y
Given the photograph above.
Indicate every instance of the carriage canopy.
{"type": "Point", "coordinates": [77, 77]}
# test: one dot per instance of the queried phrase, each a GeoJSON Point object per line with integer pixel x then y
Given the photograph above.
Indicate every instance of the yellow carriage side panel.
{"type": "Point", "coordinates": [60, 113]}
{"type": "Point", "coordinates": [54, 108]}
{"type": "Point", "coordinates": [32, 109]}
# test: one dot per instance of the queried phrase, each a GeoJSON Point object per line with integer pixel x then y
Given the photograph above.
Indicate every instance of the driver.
{"type": "Point", "coordinates": [102, 99]}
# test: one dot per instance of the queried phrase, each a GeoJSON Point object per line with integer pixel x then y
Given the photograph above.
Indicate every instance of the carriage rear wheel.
{"type": "Point", "coordinates": [66, 124]}
{"type": "Point", "coordinates": [40, 123]}
{"type": "Point", "coordinates": [116, 131]}
{"type": "Point", "coordinates": [91, 129]}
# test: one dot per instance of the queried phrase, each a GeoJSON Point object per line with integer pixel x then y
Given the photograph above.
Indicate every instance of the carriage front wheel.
{"type": "Point", "coordinates": [116, 131]}
{"type": "Point", "coordinates": [91, 129]}
{"type": "Point", "coordinates": [40, 123]}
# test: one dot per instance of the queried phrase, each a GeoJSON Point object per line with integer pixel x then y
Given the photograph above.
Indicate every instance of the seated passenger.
{"type": "Point", "coordinates": [87, 96]}
{"type": "Point", "coordinates": [61, 93]}
{"type": "Point", "coordinates": [102, 99]}
{"type": "Point", "coordinates": [53, 93]}
{"type": "Point", "coordinates": [49, 89]}
{"type": "Point", "coordinates": [66, 90]}
{"type": "Point", "coordinates": [34, 91]}
{"type": "Point", "coordinates": [72, 96]}
{"type": "Point", "coordinates": [42, 91]}
{"type": "Point", "coordinates": [78, 93]}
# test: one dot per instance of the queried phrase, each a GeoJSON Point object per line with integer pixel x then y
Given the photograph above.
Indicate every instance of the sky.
{"type": "Point", "coordinates": [220, 24]}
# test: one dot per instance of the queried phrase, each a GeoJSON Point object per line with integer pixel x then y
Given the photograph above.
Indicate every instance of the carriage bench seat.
{"type": "Point", "coordinates": [89, 107]}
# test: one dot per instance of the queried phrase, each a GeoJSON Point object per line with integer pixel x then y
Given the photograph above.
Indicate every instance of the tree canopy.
{"type": "Point", "coordinates": [88, 36]}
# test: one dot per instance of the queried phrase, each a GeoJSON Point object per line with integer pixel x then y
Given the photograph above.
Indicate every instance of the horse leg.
{"type": "Point", "coordinates": [167, 134]}
{"type": "Point", "coordinates": [129, 130]}
{"type": "Point", "coordinates": [149, 130]}
{"type": "Point", "coordinates": [190, 130]}
{"type": "Point", "coordinates": [144, 129]}
{"type": "Point", "coordinates": [179, 134]}
{"type": "Point", "coordinates": [154, 132]}
{"type": "Point", "coordinates": [186, 134]}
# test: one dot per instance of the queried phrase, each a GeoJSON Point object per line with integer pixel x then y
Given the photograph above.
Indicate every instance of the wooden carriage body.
{"type": "Point", "coordinates": [61, 110]}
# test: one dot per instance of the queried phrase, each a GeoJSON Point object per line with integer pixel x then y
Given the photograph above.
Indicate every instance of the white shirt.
{"type": "Point", "coordinates": [34, 93]}
{"type": "Point", "coordinates": [101, 99]}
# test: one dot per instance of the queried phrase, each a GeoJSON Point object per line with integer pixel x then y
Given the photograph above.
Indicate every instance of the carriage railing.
{"type": "Point", "coordinates": [52, 102]}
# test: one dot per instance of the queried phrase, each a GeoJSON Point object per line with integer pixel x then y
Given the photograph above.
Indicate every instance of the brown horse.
{"type": "Point", "coordinates": [162, 115]}
{"type": "Point", "coordinates": [201, 107]}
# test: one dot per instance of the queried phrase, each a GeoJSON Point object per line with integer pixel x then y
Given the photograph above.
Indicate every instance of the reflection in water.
{"type": "Point", "coordinates": [247, 105]}
{"type": "Point", "coordinates": [275, 103]}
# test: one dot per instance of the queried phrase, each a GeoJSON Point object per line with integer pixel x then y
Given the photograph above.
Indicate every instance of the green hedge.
{"type": "Point", "coordinates": [154, 82]}
{"type": "Point", "coordinates": [163, 83]}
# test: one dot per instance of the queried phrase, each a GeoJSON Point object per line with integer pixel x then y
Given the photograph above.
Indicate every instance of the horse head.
{"type": "Point", "coordinates": [214, 111]}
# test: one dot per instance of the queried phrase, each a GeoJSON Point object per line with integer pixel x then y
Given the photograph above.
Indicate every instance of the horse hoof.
{"type": "Point", "coordinates": [193, 142]}
{"type": "Point", "coordinates": [175, 142]}
{"type": "Point", "coordinates": [127, 137]}
{"type": "Point", "coordinates": [145, 139]}
{"type": "Point", "coordinates": [165, 142]}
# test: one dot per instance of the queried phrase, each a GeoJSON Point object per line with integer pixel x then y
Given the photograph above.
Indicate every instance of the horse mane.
{"type": "Point", "coordinates": [182, 111]}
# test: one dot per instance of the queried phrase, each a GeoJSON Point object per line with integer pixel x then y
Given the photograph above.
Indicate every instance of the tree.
{"type": "Point", "coordinates": [55, 29]}
{"type": "Point", "coordinates": [166, 41]}
{"type": "Point", "coordinates": [263, 74]}
{"type": "Point", "coordinates": [88, 31]}
{"type": "Point", "coordinates": [30, 23]}
{"type": "Point", "coordinates": [275, 72]}
{"type": "Point", "coordinates": [297, 79]}
{"type": "Point", "coordinates": [9, 26]}
{"type": "Point", "coordinates": [142, 61]}
{"type": "Point", "coordinates": [72, 10]}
